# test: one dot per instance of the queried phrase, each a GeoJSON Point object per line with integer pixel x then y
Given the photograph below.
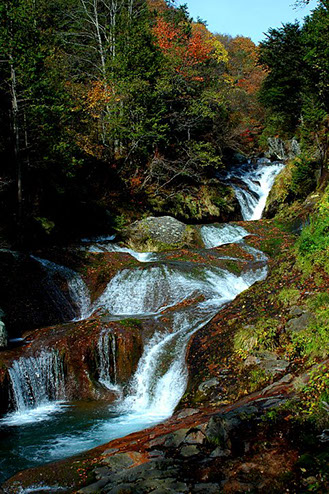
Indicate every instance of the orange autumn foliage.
{"type": "Point", "coordinates": [186, 52]}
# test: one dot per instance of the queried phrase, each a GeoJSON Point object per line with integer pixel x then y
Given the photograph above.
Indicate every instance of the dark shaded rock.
{"type": "Point", "coordinates": [160, 469]}
{"type": "Point", "coordinates": [167, 485]}
{"type": "Point", "coordinates": [220, 453]}
{"type": "Point", "coordinates": [221, 426]}
{"type": "Point", "coordinates": [30, 298]}
{"type": "Point", "coordinates": [3, 332]}
{"type": "Point", "coordinates": [121, 489]}
{"type": "Point", "coordinates": [206, 489]}
{"type": "Point", "coordinates": [190, 450]}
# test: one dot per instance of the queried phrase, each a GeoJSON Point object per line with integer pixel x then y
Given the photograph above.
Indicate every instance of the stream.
{"type": "Point", "coordinates": [44, 426]}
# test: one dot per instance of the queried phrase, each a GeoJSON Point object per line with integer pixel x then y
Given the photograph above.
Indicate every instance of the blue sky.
{"type": "Point", "coordinates": [247, 17]}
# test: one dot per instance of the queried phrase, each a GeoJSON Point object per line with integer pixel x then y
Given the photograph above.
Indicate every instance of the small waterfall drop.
{"type": "Point", "coordinates": [252, 185]}
{"type": "Point", "coordinates": [111, 247]}
{"type": "Point", "coordinates": [78, 290]}
{"type": "Point", "coordinates": [37, 385]}
{"type": "Point", "coordinates": [107, 360]}
{"type": "Point", "coordinates": [216, 235]}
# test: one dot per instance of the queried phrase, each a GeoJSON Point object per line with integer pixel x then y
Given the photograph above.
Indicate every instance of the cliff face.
{"type": "Point", "coordinates": [77, 345]}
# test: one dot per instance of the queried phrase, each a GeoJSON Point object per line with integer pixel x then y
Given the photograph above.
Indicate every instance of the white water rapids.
{"type": "Point", "coordinates": [38, 383]}
{"type": "Point", "coordinates": [252, 185]}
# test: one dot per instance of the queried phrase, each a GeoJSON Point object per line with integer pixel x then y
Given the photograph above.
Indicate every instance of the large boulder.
{"type": "Point", "coordinates": [160, 233]}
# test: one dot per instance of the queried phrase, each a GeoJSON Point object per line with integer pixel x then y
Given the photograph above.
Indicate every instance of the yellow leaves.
{"type": "Point", "coordinates": [220, 53]}
{"type": "Point", "coordinates": [89, 146]}
{"type": "Point", "coordinates": [98, 97]}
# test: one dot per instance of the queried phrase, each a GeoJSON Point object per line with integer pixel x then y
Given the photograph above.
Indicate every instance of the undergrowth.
{"type": "Point", "coordinates": [313, 245]}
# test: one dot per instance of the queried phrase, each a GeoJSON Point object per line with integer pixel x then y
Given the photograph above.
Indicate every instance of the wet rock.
{"type": "Point", "coordinates": [191, 450]}
{"type": "Point", "coordinates": [158, 441]}
{"type": "Point", "coordinates": [175, 439]}
{"type": "Point", "coordinates": [300, 323]}
{"type": "Point", "coordinates": [206, 385]}
{"type": "Point", "coordinates": [119, 489]}
{"type": "Point", "coordinates": [119, 462]}
{"type": "Point", "coordinates": [187, 412]}
{"type": "Point", "coordinates": [102, 472]}
{"type": "Point", "coordinates": [94, 488]}
{"type": "Point", "coordinates": [206, 489]}
{"type": "Point", "coordinates": [220, 453]}
{"type": "Point", "coordinates": [167, 485]}
{"type": "Point", "coordinates": [109, 451]}
{"type": "Point", "coordinates": [195, 437]}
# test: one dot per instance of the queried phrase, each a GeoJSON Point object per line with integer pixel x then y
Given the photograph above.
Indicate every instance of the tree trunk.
{"type": "Point", "coordinates": [18, 164]}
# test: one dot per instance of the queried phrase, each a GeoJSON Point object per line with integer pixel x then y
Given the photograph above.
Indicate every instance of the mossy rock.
{"type": "Point", "coordinates": [159, 234]}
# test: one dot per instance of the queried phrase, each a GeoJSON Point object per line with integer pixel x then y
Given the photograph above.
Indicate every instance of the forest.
{"type": "Point", "coordinates": [112, 109]}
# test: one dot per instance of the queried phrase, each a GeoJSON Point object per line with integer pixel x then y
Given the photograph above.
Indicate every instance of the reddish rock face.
{"type": "Point", "coordinates": [76, 344]}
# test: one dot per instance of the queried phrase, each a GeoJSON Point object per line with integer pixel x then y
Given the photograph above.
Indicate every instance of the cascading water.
{"type": "Point", "coordinates": [214, 236]}
{"type": "Point", "coordinates": [107, 360]}
{"type": "Point", "coordinates": [78, 290]}
{"type": "Point", "coordinates": [146, 291]}
{"type": "Point", "coordinates": [111, 247]}
{"type": "Point", "coordinates": [157, 387]}
{"type": "Point", "coordinates": [37, 385]}
{"type": "Point", "coordinates": [161, 375]}
{"type": "Point", "coordinates": [252, 185]}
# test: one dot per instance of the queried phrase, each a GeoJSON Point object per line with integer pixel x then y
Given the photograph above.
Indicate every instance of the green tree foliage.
{"type": "Point", "coordinates": [296, 91]}
{"type": "Point", "coordinates": [282, 54]}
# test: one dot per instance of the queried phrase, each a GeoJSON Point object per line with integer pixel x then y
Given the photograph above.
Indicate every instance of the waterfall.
{"type": "Point", "coordinates": [37, 385]}
{"type": "Point", "coordinates": [216, 235]}
{"type": "Point", "coordinates": [252, 185]}
{"type": "Point", "coordinates": [78, 290]}
{"type": "Point", "coordinates": [111, 247]}
{"type": "Point", "coordinates": [161, 374]}
{"type": "Point", "coordinates": [106, 346]}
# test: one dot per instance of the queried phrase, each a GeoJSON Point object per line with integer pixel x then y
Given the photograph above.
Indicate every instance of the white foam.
{"type": "Point", "coordinates": [32, 415]}
{"type": "Point", "coordinates": [110, 247]}
{"type": "Point", "coordinates": [216, 235]}
{"type": "Point", "coordinates": [258, 181]}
